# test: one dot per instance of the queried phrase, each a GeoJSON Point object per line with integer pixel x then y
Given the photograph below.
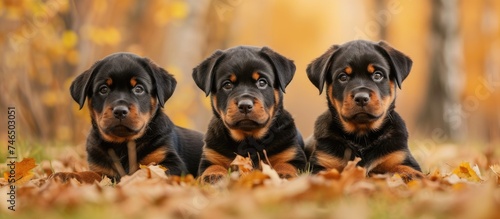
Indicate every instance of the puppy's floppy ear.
{"type": "Point", "coordinates": [203, 74]}
{"type": "Point", "coordinates": [400, 63]}
{"type": "Point", "coordinates": [79, 88]}
{"type": "Point", "coordinates": [318, 69]}
{"type": "Point", "coordinates": [164, 82]}
{"type": "Point", "coordinates": [283, 67]}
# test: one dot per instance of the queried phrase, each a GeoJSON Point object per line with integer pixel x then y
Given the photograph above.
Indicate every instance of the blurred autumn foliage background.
{"type": "Point", "coordinates": [451, 95]}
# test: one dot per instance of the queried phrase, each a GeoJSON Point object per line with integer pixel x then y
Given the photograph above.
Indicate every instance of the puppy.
{"type": "Point", "coordinates": [125, 95]}
{"type": "Point", "coordinates": [361, 79]}
{"type": "Point", "coordinates": [246, 85]}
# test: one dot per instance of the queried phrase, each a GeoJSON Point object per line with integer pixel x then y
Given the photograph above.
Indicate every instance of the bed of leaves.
{"type": "Point", "coordinates": [460, 183]}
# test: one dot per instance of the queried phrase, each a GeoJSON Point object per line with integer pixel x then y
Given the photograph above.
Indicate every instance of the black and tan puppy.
{"type": "Point", "coordinates": [246, 86]}
{"type": "Point", "coordinates": [361, 79]}
{"type": "Point", "coordinates": [125, 95]}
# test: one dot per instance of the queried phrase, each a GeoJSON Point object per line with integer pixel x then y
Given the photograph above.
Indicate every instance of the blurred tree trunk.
{"type": "Point", "coordinates": [441, 117]}
{"type": "Point", "coordinates": [189, 43]}
{"type": "Point", "coordinates": [491, 107]}
{"type": "Point", "coordinates": [481, 35]}
{"type": "Point", "coordinates": [381, 5]}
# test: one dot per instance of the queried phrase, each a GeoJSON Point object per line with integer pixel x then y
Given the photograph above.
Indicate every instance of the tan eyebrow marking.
{"type": "Point", "coordinates": [371, 68]}
{"type": "Point", "coordinates": [348, 70]}
{"type": "Point", "coordinates": [232, 78]}
{"type": "Point", "coordinates": [255, 76]}
{"type": "Point", "coordinates": [133, 81]}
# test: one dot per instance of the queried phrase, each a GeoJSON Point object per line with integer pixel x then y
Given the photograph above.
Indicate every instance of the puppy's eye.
{"type": "Point", "coordinates": [227, 85]}
{"type": "Point", "coordinates": [377, 76]}
{"type": "Point", "coordinates": [343, 77]}
{"type": "Point", "coordinates": [103, 90]}
{"type": "Point", "coordinates": [138, 89]}
{"type": "Point", "coordinates": [262, 83]}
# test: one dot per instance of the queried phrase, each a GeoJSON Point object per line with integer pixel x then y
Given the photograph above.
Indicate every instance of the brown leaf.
{"type": "Point", "coordinates": [331, 174]}
{"type": "Point", "coordinates": [143, 174]}
{"type": "Point", "coordinates": [88, 177]}
{"type": "Point", "coordinates": [23, 171]}
{"type": "Point", "coordinates": [242, 164]}
{"type": "Point", "coordinates": [252, 179]}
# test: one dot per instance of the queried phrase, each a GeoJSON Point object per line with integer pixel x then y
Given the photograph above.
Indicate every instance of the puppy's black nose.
{"type": "Point", "coordinates": [245, 106]}
{"type": "Point", "coordinates": [120, 112]}
{"type": "Point", "coordinates": [362, 98]}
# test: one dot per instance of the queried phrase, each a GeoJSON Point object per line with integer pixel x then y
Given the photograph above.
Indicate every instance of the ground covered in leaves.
{"type": "Point", "coordinates": [461, 182]}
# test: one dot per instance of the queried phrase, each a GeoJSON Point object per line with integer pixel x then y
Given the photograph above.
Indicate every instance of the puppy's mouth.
{"type": "Point", "coordinates": [362, 118]}
{"type": "Point", "coordinates": [122, 131]}
{"type": "Point", "coordinates": [247, 125]}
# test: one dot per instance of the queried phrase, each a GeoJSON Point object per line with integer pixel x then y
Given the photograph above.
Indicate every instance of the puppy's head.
{"type": "Point", "coordinates": [123, 92]}
{"type": "Point", "coordinates": [361, 79]}
{"type": "Point", "coordinates": [246, 86]}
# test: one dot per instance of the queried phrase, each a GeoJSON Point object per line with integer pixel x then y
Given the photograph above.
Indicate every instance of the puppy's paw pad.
{"type": "Point", "coordinates": [213, 178]}
{"type": "Point", "coordinates": [287, 175]}
{"type": "Point", "coordinates": [409, 176]}
{"type": "Point", "coordinates": [286, 171]}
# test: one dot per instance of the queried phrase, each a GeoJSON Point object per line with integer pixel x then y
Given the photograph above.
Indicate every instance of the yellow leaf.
{"type": "Point", "coordinates": [25, 178]}
{"type": "Point", "coordinates": [103, 36]}
{"type": "Point", "coordinates": [69, 39]}
{"type": "Point", "coordinates": [179, 9]}
{"type": "Point", "coordinates": [112, 36]}
{"type": "Point", "coordinates": [464, 171]}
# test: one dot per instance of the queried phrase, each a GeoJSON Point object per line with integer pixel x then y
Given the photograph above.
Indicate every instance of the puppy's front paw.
{"type": "Point", "coordinates": [212, 178]}
{"type": "Point", "coordinates": [408, 176]}
{"type": "Point", "coordinates": [214, 174]}
{"type": "Point", "coordinates": [286, 170]}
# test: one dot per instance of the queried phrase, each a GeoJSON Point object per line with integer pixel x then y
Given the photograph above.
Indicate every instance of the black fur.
{"type": "Point", "coordinates": [371, 130]}
{"type": "Point", "coordinates": [236, 67]}
{"type": "Point", "coordinates": [144, 102]}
